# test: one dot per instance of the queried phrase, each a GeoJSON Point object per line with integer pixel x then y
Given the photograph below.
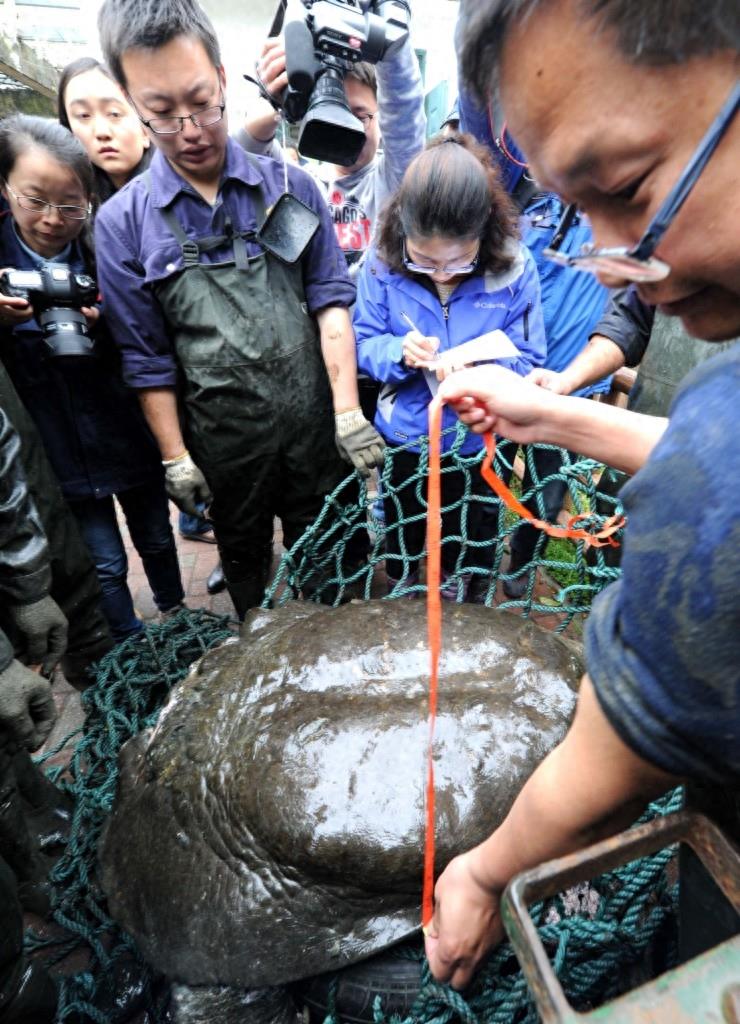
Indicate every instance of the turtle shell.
{"type": "Point", "coordinates": [271, 827]}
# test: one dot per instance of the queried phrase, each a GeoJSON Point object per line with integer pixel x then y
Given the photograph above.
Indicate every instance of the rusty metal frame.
{"type": "Point", "coordinates": [719, 856]}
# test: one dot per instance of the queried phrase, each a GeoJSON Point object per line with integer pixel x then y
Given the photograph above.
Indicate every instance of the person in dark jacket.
{"type": "Point", "coordinates": [92, 429]}
{"type": "Point", "coordinates": [26, 705]}
{"type": "Point", "coordinates": [27, 714]}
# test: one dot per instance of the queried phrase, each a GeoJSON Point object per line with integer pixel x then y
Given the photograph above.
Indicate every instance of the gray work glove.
{"type": "Point", "coordinates": [186, 485]}
{"type": "Point", "coordinates": [27, 707]}
{"type": "Point", "coordinates": [358, 441]}
{"type": "Point", "coordinates": [44, 629]}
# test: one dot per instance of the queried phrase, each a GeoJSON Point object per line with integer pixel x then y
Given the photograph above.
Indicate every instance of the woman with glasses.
{"type": "Point", "coordinates": [448, 268]}
{"type": "Point", "coordinates": [93, 432]}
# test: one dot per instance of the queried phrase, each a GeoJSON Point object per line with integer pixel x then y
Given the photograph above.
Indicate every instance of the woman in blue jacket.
{"type": "Point", "coordinates": [92, 429]}
{"type": "Point", "coordinates": [449, 262]}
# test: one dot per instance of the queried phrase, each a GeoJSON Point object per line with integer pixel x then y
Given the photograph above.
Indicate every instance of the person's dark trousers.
{"type": "Point", "coordinates": [290, 485]}
{"type": "Point", "coordinates": [33, 817]}
{"type": "Point", "coordinates": [405, 506]}
{"type": "Point", "coordinates": [546, 462]}
{"type": "Point", "coordinates": [147, 517]}
{"type": "Point", "coordinates": [485, 516]}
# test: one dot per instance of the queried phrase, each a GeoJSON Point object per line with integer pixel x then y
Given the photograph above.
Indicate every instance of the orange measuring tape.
{"type": "Point", "coordinates": [604, 536]}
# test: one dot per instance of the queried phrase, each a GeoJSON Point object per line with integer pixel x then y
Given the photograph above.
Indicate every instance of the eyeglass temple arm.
{"type": "Point", "coordinates": [677, 196]}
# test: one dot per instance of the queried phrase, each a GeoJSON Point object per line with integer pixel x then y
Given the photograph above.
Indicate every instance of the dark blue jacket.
{"type": "Point", "coordinates": [93, 431]}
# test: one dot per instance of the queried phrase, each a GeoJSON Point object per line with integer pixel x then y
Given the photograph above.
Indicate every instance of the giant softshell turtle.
{"type": "Point", "coordinates": [271, 827]}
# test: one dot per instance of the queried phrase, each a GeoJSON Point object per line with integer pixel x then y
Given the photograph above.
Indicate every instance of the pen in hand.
{"type": "Point", "coordinates": [419, 363]}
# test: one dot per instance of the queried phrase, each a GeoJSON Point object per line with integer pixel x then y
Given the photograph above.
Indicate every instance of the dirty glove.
{"type": "Point", "coordinates": [44, 630]}
{"type": "Point", "coordinates": [26, 705]}
{"type": "Point", "coordinates": [186, 485]}
{"type": "Point", "coordinates": [358, 441]}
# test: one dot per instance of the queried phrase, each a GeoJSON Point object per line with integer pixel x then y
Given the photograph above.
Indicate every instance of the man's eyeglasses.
{"type": "Point", "coordinates": [35, 205]}
{"type": "Point", "coordinates": [173, 125]}
{"type": "Point", "coordinates": [638, 263]}
{"type": "Point", "coordinates": [417, 268]}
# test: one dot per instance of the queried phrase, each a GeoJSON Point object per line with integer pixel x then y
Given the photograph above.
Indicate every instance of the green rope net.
{"type": "Point", "coordinates": [132, 682]}
{"type": "Point", "coordinates": [603, 938]}
{"type": "Point", "coordinates": [562, 578]}
{"type": "Point", "coordinates": [131, 686]}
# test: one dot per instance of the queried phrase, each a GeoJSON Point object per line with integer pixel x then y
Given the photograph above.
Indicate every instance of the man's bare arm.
{"type": "Point", "coordinates": [493, 398]}
{"type": "Point", "coordinates": [590, 787]}
{"type": "Point", "coordinates": [600, 358]}
{"type": "Point", "coordinates": [159, 406]}
{"type": "Point", "coordinates": [340, 356]}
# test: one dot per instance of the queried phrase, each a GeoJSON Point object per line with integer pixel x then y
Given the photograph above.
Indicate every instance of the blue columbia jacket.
{"type": "Point", "coordinates": [572, 302]}
{"type": "Point", "coordinates": [509, 301]}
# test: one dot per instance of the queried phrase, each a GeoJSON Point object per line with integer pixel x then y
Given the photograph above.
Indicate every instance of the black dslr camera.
{"type": "Point", "coordinates": [56, 295]}
{"type": "Point", "coordinates": [323, 39]}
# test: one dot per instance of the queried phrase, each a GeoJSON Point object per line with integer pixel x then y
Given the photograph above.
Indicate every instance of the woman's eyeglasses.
{"type": "Point", "coordinates": [419, 268]}
{"type": "Point", "coordinates": [35, 205]}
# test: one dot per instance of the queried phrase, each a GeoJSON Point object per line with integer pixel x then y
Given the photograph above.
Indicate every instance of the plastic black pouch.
{"type": "Point", "coordinates": [288, 228]}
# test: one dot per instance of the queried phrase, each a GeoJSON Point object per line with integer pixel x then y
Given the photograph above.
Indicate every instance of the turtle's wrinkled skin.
{"type": "Point", "coordinates": [271, 827]}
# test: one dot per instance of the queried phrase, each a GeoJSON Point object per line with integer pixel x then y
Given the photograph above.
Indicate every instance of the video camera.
{"type": "Point", "coordinates": [57, 296]}
{"type": "Point", "coordinates": [323, 39]}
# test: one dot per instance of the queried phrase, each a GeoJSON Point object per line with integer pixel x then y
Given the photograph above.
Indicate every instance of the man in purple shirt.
{"type": "Point", "coordinates": [219, 336]}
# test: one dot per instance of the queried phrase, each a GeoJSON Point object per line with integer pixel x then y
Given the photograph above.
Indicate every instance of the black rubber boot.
{"type": "Point", "coordinates": [246, 580]}
{"type": "Point", "coordinates": [516, 588]}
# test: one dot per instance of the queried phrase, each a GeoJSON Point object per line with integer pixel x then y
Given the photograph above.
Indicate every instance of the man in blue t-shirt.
{"type": "Point", "coordinates": [610, 118]}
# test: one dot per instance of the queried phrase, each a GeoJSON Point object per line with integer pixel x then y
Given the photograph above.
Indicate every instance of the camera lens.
{"type": "Point", "coordinates": [65, 332]}
{"type": "Point", "coordinates": [330, 130]}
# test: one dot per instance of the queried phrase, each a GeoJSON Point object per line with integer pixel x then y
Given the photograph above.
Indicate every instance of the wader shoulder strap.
{"type": "Point", "coordinates": [191, 249]}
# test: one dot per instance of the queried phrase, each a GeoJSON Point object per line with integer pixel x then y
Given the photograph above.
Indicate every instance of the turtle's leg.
{"type": "Point", "coordinates": [225, 1005]}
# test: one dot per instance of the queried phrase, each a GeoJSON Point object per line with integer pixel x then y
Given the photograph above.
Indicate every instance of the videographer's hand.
{"type": "Point", "coordinates": [494, 398]}
{"type": "Point", "coordinates": [271, 66]}
{"type": "Point", "coordinates": [14, 310]}
{"type": "Point", "coordinates": [417, 350]}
